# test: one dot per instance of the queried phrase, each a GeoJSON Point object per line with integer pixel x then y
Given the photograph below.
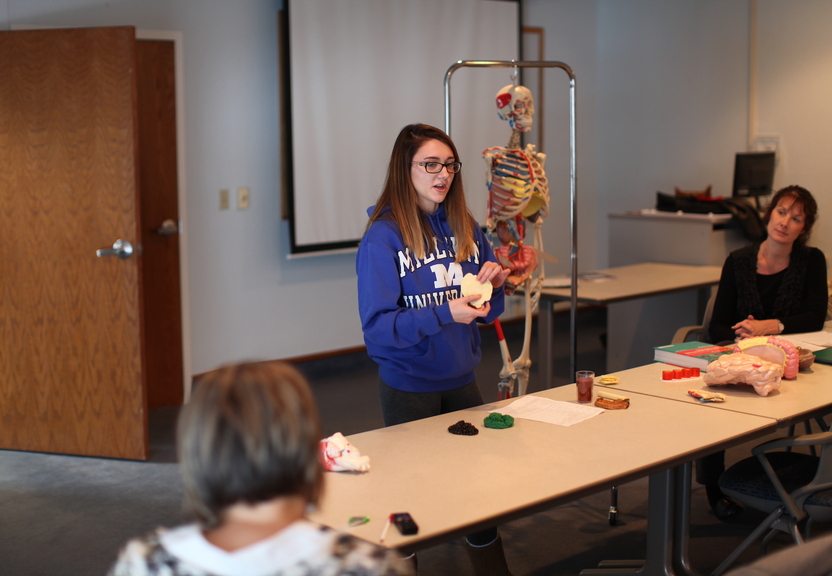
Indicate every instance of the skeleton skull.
{"type": "Point", "coordinates": [515, 104]}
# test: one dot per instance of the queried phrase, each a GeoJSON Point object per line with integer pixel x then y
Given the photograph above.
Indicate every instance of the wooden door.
{"type": "Point", "coordinates": [71, 357]}
{"type": "Point", "coordinates": [160, 223]}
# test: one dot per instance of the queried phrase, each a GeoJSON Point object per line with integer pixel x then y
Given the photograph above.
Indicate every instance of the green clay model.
{"type": "Point", "coordinates": [497, 420]}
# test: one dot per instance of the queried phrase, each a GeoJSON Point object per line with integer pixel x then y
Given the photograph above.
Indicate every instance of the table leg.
{"type": "Point", "coordinates": [659, 534]}
{"type": "Point", "coordinates": [681, 520]}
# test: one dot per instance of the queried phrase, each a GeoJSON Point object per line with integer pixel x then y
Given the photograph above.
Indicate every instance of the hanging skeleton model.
{"type": "Point", "coordinates": [517, 192]}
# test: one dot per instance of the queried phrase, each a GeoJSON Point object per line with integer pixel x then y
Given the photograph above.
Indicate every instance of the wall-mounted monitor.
{"type": "Point", "coordinates": [753, 174]}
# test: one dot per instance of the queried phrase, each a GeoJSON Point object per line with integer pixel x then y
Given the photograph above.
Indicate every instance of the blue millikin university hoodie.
{"type": "Point", "coordinates": [403, 305]}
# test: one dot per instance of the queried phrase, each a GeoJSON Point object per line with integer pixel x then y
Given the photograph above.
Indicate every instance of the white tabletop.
{"type": "Point", "coordinates": [652, 213]}
{"type": "Point", "coordinates": [453, 485]}
{"type": "Point", "coordinates": [807, 396]}
{"type": "Point", "coordinates": [639, 281]}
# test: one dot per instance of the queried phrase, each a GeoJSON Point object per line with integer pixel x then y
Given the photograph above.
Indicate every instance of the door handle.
{"type": "Point", "coordinates": [168, 228]}
{"type": "Point", "coordinates": [121, 248]}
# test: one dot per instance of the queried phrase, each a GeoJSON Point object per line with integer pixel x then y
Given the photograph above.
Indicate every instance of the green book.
{"type": "Point", "coordinates": [823, 356]}
{"type": "Point", "coordinates": [690, 354]}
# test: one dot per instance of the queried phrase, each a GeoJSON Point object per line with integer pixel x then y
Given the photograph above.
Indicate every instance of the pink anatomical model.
{"type": "Point", "coordinates": [738, 368]}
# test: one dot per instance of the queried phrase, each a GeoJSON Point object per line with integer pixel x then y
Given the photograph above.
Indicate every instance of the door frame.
{"type": "Point", "coordinates": [181, 197]}
{"type": "Point", "coordinates": [179, 80]}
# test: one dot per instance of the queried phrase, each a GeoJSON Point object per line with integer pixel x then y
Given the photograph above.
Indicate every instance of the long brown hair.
{"type": "Point", "coordinates": [400, 196]}
{"type": "Point", "coordinates": [800, 196]}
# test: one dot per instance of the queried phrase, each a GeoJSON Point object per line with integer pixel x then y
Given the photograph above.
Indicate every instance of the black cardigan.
{"type": "Point", "coordinates": [798, 296]}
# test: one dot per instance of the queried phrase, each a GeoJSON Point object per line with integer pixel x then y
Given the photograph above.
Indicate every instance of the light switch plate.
{"type": "Point", "coordinates": [242, 198]}
{"type": "Point", "coordinates": [767, 143]}
{"type": "Point", "coordinates": [224, 199]}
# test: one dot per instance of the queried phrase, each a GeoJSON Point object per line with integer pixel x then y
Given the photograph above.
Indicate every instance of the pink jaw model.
{"type": "Point", "coordinates": [338, 455]}
{"type": "Point", "coordinates": [518, 190]}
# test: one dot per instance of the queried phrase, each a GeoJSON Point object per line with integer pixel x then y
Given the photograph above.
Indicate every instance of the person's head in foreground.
{"type": "Point", "coordinates": [248, 451]}
{"type": "Point", "coordinates": [249, 436]}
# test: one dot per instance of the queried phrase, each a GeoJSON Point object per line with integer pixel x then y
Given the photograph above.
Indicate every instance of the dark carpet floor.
{"type": "Point", "coordinates": [67, 515]}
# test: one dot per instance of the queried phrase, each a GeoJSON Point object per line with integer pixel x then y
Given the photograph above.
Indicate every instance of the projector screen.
{"type": "Point", "coordinates": [360, 70]}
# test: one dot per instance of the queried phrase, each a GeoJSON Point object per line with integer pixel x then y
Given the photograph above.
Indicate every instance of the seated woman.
{"type": "Point", "coordinates": [777, 286]}
{"type": "Point", "coordinates": [248, 451]}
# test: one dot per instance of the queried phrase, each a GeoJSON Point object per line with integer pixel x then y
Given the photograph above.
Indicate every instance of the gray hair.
{"type": "Point", "coordinates": [249, 434]}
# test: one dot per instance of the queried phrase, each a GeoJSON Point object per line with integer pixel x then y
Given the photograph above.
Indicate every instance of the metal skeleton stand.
{"type": "Point", "coordinates": [613, 511]}
{"type": "Point", "coordinates": [572, 176]}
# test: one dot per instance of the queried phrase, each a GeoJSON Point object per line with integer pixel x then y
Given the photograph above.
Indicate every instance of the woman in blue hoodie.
{"type": "Point", "coordinates": [420, 241]}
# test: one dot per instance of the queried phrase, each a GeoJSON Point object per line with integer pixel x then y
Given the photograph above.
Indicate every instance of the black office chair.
{"type": "Point", "coordinates": [794, 488]}
{"type": "Point", "coordinates": [812, 559]}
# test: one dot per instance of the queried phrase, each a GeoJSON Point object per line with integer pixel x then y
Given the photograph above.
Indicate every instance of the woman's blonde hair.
{"type": "Point", "coordinates": [249, 434]}
{"type": "Point", "coordinates": [400, 196]}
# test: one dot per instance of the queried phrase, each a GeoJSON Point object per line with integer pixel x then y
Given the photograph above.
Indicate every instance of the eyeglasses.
{"type": "Point", "coordinates": [436, 167]}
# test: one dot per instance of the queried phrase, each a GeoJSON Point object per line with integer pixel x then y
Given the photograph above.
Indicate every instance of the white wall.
{"type": "Point", "coordinates": [662, 101]}
{"type": "Point", "coordinates": [662, 92]}
{"type": "Point", "coordinates": [795, 99]}
{"type": "Point", "coordinates": [570, 36]}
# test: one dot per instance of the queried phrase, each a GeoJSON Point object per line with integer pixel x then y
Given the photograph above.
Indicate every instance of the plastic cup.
{"type": "Point", "coordinates": [584, 379]}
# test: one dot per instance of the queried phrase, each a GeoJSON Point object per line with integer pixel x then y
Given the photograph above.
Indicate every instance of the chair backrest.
{"type": "Point", "coordinates": [709, 310]}
{"type": "Point", "coordinates": [816, 496]}
{"type": "Point", "coordinates": [787, 485]}
{"type": "Point", "coordinates": [700, 331]}
{"type": "Point", "coordinates": [812, 558]}
{"type": "Point", "coordinates": [802, 482]}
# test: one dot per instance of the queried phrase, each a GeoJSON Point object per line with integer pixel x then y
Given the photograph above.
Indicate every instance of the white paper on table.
{"type": "Point", "coordinates": [810, 340]}
{"type": "Point", "coordinates": [549, 411]}
{"type": "Point", "coordinates": [557, 282]}
{"type": "Point", "coordinates": [595, 277]}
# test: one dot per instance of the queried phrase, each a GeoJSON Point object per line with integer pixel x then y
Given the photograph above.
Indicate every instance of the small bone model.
{"type": "Point", "coordinates": [470, 285]}
{"type": "Point", "coordinates": [338, 455]}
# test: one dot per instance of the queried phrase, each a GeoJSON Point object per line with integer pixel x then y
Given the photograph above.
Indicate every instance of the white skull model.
{"type": "Point", "coordinates": [516, 104]}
